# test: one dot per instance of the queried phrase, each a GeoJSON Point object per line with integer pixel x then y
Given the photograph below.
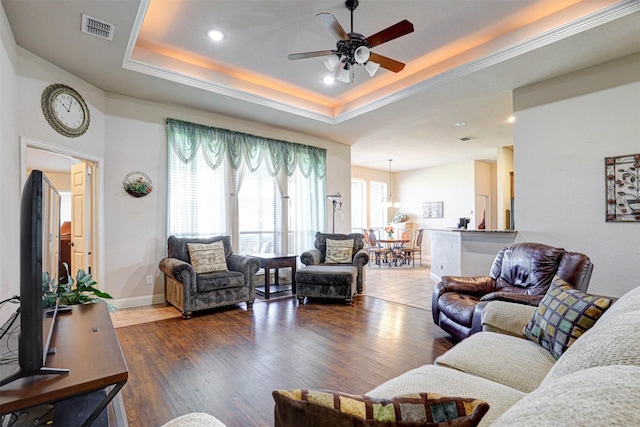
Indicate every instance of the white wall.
{"type": "Point", "coordinates": [451, 184]}
{"type": "Point", "coordinates": [9, 170]}
{"type": "Point", "coordinates": [564, 129]}
{"type": "Point", "coordinates": [126, 134]}
{"type": "Point", "coordinates": [485, 195]}
{"type": "Point", "coordinates": [504, 166]}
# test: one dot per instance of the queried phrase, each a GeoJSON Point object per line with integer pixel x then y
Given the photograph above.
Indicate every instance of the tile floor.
{"type": "Point", "coordinates": [402, 284]}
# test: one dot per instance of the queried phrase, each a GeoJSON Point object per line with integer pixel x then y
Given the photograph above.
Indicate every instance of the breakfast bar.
{"type": "Point", "coordinates": [461, 252]}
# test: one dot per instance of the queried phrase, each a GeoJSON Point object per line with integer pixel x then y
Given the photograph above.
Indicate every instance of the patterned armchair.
{"type": "Point", "coordinates": [318, 255]}
{"type": "Point", "coordinates": [190, 291]}
{"type": "Point", "coordinates": [334, 268]}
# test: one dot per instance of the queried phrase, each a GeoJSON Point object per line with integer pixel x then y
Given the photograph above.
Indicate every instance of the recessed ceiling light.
{"type": "Point", "coordinates": [511, 119]}
{"type": "Point", "coordinates": [458, 124]}
{"type": "Point", "coordinates": [215, 35]}
{"type": "Point", "coordinates": [328, 80]}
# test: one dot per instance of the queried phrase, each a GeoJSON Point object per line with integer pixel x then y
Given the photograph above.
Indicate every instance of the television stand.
{"type": "Point", "coordinates": [24, 374]}
{"type": "Point", "coordinates": [85, 341]}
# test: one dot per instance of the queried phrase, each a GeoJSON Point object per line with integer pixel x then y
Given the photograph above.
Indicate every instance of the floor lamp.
{"type": "Point", "coordinates": [336, 200]}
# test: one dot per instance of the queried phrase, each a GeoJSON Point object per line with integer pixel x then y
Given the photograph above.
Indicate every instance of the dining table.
{"type": "Point", "coordinates": [396, 254]}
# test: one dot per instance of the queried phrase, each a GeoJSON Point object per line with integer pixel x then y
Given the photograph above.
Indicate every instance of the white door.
{"type": "Point", "coordinates": [81, 223]}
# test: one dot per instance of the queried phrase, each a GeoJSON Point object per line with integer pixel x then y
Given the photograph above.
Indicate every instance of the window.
{"type": "Point", "coordinates": [194, 198]}
{"type": "Point", "coordinates": [65, 206]}
{"type": "Point", "coordinates": [267, 195]}
{"type": "Point", "coordinates": [358, 205]}
{"type": "Point", "coordinates": [258, 208]}
{"type": "Point", "coordinates": [377, 209]}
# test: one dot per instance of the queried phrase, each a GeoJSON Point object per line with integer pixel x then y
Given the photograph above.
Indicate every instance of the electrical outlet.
{"type": "Point", "coordinates": [150, 280]}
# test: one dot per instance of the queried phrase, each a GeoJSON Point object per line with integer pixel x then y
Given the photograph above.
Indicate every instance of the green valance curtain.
{"type": "Point", "coordinates": [185, 139]}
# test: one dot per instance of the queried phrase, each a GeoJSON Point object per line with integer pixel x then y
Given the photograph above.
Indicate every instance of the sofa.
{"type": "Point", "coordinates": [595, 381]}
{"type": "Point", "coordinates": [228, 279]}
{"type": "Point", "coordinates": [520, 273]}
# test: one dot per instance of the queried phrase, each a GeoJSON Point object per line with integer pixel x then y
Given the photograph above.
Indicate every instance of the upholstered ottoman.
{"type": "Point", "coordinates": [327, 281]}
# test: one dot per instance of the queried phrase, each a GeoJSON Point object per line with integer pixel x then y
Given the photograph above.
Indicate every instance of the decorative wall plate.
{"type": "Point", "coordinates": [137, 184]}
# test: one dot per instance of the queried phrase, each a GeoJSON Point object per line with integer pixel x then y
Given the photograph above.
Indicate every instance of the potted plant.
{"type": "Point", "coordinates": [69, 291]}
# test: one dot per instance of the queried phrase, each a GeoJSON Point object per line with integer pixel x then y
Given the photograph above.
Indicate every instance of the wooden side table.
{"type": "Point", "coordinates": [276, 261]}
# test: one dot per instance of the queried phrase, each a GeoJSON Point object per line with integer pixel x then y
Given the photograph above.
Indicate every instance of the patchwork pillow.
{"type": "Point", "coordinates": [207, 257]}
{"type": "Point", "coordinates": [339, 251]}
{"type": "Point", "coordinates": [329, 408]}
{"type": "Point", "coordinates": [563, 315]}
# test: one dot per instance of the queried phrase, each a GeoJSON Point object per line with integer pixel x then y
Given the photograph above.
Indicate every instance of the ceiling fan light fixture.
{"type": "Point", "coordinates": [361, 55]}
{"type": "Point", "coordinates": [328, 80]}
{"type": "Point", "coordinates": [344, 74]}
{"type": "Point", "coordinates": [331, 62]}
{"type": "Point", "coordinates": [215, 35]}
{"type": "Point", "coordinates": [371, 67]}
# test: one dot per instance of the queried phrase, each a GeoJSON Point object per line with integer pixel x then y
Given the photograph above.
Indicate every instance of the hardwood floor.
{"type": "Point", "coordinates": [227, 362]}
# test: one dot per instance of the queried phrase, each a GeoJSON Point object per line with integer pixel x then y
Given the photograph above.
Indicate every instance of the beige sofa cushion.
{"type": "Point", "coordinates": [196, 419]}
{"type": "Point", "coordinates": [628, 302]}
{"type": "Point", "coordinates": [511, 361]}
{"type": "Point", "coordinates": [600, 396]}
{"type": "Point", "coordinates": [449, 382]}
{"type": "Point", "coordinates": [611, 343]}
{"type": "Point", "coordinates": [506, 317]}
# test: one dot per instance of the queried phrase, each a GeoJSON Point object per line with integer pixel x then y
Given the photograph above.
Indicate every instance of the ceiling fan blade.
{"type": "Point", "coordinates": [388, 63]}
{"type": "Point", "coordinates": [304, 55]}
{"type": "Point", "coordinates": [393, 32]}
{"type": "Point", "coordinates": [332, 24]}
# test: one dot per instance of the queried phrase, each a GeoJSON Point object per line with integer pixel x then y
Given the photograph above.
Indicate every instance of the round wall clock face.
{"type": "Point", "coordinates": [65, 110]}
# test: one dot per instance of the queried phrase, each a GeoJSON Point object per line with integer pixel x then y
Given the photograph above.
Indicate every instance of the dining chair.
{"type": "Point", "coordinates": [415, 248]}
{"type": "Point", "coordinates": [406, 234]}
{"type": "Point", "coordinates": [379, 252]}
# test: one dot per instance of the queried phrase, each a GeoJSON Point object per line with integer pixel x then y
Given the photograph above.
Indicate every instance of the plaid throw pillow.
{"type": "Point", "coordinates": [563, 315]}
{"type": "Point", "coordinates": [207, 258]}
{"type": "Point", "coordinates": [329, 408]}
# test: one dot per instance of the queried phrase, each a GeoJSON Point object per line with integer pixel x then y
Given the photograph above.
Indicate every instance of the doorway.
{"type": "Point", "coordinates": [76, 176]}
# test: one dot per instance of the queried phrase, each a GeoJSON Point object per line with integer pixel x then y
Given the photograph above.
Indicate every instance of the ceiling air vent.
{"type": "Point", "coordinates": [97, 27]}
{"type": "Point", "coordinates": [465, 139]}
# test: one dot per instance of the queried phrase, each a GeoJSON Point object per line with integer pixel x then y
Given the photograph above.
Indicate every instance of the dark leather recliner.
{"type": "Point", "coordinates": [520, 273]}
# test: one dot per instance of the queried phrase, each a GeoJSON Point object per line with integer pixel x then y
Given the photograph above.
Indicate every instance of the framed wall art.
{"type": "Point", "coordinates": [432, 210]}
{"type": "Point", "coordinates": [622, 176]}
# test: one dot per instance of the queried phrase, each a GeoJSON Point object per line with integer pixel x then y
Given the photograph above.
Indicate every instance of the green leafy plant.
{"type": "Point", "coordinates": [70, 291]}
{"type": "Point", "coordinates": [138, 187]}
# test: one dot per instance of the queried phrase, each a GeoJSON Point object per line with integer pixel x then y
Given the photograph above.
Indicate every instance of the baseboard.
{"type": "Point", "coordinates": [137, 301]}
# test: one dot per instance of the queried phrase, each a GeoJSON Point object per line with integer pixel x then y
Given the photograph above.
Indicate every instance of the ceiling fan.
{"type": "Point", "coordinates": [354, 48]}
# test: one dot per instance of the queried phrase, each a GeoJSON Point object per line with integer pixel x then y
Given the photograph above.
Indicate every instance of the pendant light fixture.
{"type": "Point", "coordinates": [390, 202]}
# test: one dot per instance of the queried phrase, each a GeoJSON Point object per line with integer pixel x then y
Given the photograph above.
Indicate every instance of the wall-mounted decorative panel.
{"type": "Point", "coordinates": [623, 187]}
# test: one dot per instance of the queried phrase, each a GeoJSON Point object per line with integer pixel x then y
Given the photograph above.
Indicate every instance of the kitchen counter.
{"type": "Point", "coordinates": [463, 252]}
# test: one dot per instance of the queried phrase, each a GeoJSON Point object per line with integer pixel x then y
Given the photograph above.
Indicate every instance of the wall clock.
{"type": "Point", "coordinates": [65, 110]}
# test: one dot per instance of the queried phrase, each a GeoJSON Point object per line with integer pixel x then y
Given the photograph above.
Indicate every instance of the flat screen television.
{"type": "Point", "coordinates": [39, 267]}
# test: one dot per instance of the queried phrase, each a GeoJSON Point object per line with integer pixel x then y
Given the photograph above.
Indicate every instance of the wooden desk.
{"type": "Point", "coordinates": [275, 261]}
{"type": "Point", "coordinates": [395, 249]}
{"type": "Point", "coordinates": [87, 345]}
